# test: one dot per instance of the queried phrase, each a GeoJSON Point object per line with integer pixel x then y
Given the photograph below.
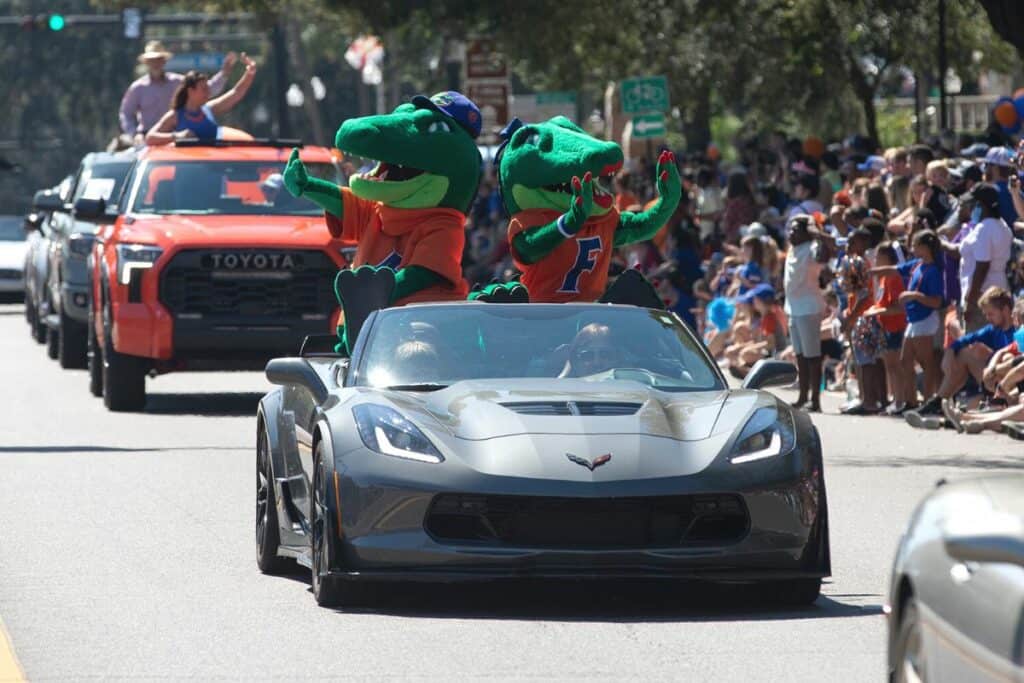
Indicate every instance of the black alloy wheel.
{"type": "Point", "coordinates": [71, 351]}
{"type": "Point", "coordinates": [268, 537]}
{"type": "Point", "coordinates": [124, 376]}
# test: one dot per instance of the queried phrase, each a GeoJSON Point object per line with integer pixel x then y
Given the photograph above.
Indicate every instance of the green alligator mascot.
{"type": "Point", "coordinates": [555, 181]}
{"type": "Point", "coordinates": [406, 215]}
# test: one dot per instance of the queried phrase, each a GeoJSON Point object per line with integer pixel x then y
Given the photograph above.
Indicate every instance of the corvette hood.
{"type": "Point", "coordinates": [227, 231]}
{"type": "Point", "coordinates": [477, 410]}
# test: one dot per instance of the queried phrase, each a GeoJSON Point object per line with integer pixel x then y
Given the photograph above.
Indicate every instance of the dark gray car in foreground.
{"type": "Point", "coordinates": [956, 603]}
{"type": "Point", "coordinates": [472, 441]}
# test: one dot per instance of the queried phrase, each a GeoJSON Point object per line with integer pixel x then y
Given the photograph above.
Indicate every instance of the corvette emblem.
{"type": "Point", "coordinates": [590, 465]}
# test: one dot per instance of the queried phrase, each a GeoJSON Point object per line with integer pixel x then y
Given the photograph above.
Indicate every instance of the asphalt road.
{"type": "Point", "coordinates": [126, 552]}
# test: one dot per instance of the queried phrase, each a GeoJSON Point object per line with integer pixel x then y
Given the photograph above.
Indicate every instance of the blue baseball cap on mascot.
{"type": "Point", "coordinates": [456, 106]}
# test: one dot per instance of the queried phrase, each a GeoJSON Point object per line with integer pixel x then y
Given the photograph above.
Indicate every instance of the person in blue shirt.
{"type": "Point", "coordinates": [969, 355]}
{"type": "Point", "coordinates": [921, 300]}
{"type": "Point", "coordinates": [750, 274]}
{"type": "Point", "coordinates": [193, 114]}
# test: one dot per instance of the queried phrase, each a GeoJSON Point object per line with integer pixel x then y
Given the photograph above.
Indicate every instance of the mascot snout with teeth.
{"type": "Point", "coordinates": [555, 181]}
{"type": "Point", "coordinates": [408, 214]}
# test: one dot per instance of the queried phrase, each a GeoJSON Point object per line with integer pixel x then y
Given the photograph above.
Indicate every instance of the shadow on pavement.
{"type": "Point", "coordinates": [237, 404]}
{"type": "Point", "coordinates": [590, 601]}
{"type": "Point", "coordinates": [965, 461]}
{"type": "Point", "coordinates": [111, 449]}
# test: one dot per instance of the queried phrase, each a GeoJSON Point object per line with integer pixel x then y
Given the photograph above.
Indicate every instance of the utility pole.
{"type": "Point", "coordinates": [943, 67]}
{"type": "Point", "coordinates": [284, 127]}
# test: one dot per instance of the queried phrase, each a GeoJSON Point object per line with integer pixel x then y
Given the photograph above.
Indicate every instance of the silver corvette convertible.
{"type": "Point", "coordinates": [471, 441]}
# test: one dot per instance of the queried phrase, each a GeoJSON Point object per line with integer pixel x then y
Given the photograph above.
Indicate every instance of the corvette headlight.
{"type": "Point", "coordinates": [385, 431]}
{"type": "Point", "coordinates": [80, 244]}
{"type": "Point", "coordinates": [135, 257]}
{"type": "Point", "coordinates": [767, 434]}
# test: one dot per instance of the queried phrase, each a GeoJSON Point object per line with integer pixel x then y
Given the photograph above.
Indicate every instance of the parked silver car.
{"type": "Point", "coordinates": [37, 260]}
{"type": "Point", "coordinates": [956, 605]}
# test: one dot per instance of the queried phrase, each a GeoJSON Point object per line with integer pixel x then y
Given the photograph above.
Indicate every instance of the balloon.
{"type": "Point", "coordinates": [1005, 113]}
{"type": "Point", "coordinates": [720, 313]}
{"type": "Point", "coordinates": [1018, 104]}
{"type": "Point", "coordinates": [713, 152]}
{"type": "Point", "coordinates": [813, 146]}
{"type": "Point", "coordinates": [1018, 337]}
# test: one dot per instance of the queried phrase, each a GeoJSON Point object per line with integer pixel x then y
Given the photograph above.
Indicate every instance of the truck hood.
{"type": "Point", "coordinates": [227, 231]}
{"type": "Point", "coordinates": [477, 410]}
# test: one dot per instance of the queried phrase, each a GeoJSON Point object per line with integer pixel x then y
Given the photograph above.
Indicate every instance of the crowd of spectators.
{"type": "Point", "coordinates": [895, 276]}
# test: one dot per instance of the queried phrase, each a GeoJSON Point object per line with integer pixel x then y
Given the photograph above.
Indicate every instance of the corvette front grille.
{"type": "Point", "coordinates": [582, 408]}
{"type": "Point", "coordinates": [588, 523]}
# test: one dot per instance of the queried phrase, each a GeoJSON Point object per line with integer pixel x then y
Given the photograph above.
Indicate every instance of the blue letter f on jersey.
{"type": "Point", "coordinates": [586, 258]}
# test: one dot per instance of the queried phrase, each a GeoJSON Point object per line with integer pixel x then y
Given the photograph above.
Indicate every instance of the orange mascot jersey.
{"type": "Point", "coordinates": [577, 270]}
{"type": "Point", "coordinates": [398, 238]}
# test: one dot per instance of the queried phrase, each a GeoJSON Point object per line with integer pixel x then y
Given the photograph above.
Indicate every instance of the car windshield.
{"type": "Point", "coordinates": [12, 229]}
{"type": "Point", "coordinates": [432, 347]}
{"type": "Point", "coordinates": [102, 181]}
{"type": "Point", "coordinates": [228, 187]}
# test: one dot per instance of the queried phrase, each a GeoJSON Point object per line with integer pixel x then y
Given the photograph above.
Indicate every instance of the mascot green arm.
{"type": "Point", "coordinates": [323, 193]}
{"type": "Point", "coordinates": [535, 243]}
{"type": "Point", "coordinates": [638, 227]}
{"type": "Point", "coordinates": [413, 279]}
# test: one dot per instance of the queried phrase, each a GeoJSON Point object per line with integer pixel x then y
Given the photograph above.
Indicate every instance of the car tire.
{"type": "Point", "coordinates": [93, 361]}
{"type": "Point", "coordinates": [268, 533]}
{"type": "Point", "coordinates": [38, 328]}
{"type": "Point", "coordinates": [329, 591]}
{"type": "Point", "coordinates": [71, 343]}
{"type": "Point", "coordinates": [124, 379]}
{"type": "Point", "coordinates": [908, 650]}
{"type": "Point", "coordinates": [52, 342]}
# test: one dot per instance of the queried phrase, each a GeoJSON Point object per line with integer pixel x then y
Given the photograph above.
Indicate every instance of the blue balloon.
{"type": "Point", "coordinates": [721, 312]}
{"type": "Point", "coordinates": [1018, 337]}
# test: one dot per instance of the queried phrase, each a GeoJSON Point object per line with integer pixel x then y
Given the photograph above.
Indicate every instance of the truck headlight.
{"type": "Point", "coordinates": [767, 434]}
{"type": "Point", "coordinates": [135, 257]}
{"type": "Point", "coordinates": [384, 430]}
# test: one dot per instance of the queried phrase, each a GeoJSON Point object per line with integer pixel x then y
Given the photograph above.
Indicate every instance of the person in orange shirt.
{"type": "Point", "coordinates": [889, 311]}
{"type": "Point", "coordinates": [564, 223]}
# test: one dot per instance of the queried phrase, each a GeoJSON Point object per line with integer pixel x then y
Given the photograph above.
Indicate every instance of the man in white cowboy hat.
{"type": "Point", "coordinates": [148, 98]}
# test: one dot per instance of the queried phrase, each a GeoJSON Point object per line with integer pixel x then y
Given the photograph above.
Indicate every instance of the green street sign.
{"type": "Point", "coordinates": [644, 94]}
{"type": "Point", "coordinates": [649, 126]}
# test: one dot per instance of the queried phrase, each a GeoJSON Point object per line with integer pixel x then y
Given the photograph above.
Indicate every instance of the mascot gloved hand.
{"type": "Point", "coordinates": [406, 213]}
{"type": "Point", "coordinates": [555, 181]}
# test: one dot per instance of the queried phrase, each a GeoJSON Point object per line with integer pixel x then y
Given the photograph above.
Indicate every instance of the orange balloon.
{"type": "Point", "coordinates": [1019, 92]}
{"type": "Point", "coordinates": [814, 146]}
{"type": "Point", "coordinates": [1006, 114]}
{"type": "Point", "coordinates": [714, 154]}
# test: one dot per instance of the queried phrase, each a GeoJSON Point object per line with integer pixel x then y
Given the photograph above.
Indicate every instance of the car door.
{"type": "Point", "coordinates": [974, 625]}
{"type": "Point", "coordinates": [61, 225]}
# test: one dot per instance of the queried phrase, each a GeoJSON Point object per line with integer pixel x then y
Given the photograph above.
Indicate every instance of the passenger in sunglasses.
{"type": "Point", "coordinates": [592, 351]}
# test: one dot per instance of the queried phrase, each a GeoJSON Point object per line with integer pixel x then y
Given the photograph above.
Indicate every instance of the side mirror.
{"type": "Point", "coordinates": [995, 547]}
{"type": "Point", "coordinates": [90, 209]}
{"type": "Point", "coordinates": [298, 372]}
{"type": "Point", "coordinates": [33, 222]}
{"type": "Point", "coordinates": [768, 373]}
{"type": "Point", "coordinates": [47, 200]}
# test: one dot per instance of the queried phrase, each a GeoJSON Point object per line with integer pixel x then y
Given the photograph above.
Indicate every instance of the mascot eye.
{"type": "Point", "coordinates": [439, 127]}
{"type": "Point", "coordinates": [533, 139]}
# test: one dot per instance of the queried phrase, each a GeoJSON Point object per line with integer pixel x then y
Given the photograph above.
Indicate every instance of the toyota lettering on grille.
{"type": "Point", "coordinates": [589, 464]}
{"type": "Point", "coordinates": [251, 261]}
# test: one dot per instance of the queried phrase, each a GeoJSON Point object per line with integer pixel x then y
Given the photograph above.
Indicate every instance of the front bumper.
{"type": "Point", "coordinates": [75, 301]}
{"type": "Point", "coordinates": [384, 529]}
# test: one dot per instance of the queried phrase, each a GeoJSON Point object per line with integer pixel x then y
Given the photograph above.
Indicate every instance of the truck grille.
{"type": "Point", "coordinates": [588, 523]}
{"type": "Point", "coordinates": [249, 282]}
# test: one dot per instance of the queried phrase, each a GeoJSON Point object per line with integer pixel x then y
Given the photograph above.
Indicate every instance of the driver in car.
{"type": "Point", "coordinates": [592, 351]}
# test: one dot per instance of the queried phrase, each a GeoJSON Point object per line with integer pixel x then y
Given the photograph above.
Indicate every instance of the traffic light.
{"type": "Point", "coordinates": [52, 22]}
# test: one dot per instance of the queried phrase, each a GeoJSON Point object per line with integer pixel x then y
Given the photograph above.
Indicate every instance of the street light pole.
{"type": "Point", "coordinates": [943, 67]}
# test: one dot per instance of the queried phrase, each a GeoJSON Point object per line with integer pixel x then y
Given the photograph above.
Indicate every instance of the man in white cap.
{"type": "Point", "coordinates": [148, 98]}
{"type": "Point", "coordinates": [998, 167]}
